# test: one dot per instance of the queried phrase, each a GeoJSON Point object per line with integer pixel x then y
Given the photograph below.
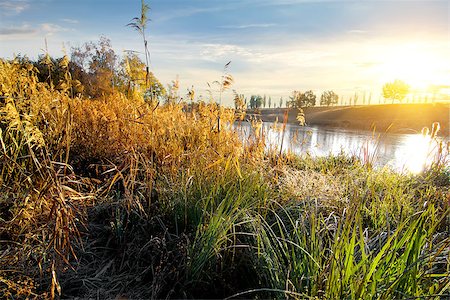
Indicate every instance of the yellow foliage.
{"type": "Point", "coordinates": [44, 130]}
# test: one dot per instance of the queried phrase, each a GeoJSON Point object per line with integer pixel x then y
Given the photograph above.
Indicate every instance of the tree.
{"type": "Point", "coordinates": [255, 101]}
{"type": "Point", "coordinates": [396, 90]}
{"type": "Point", "coordinates": [295, 100]}
{"type": "Point", "coordinates": [355, 98]}
{"type": "Point", "coordinates": [308, 99]}
{"type": "Point", "coordinates": [94, 64]}
{"type": "Point", "coordinates": [299, 99]}
{"type": "Point", "coordinates": [270, 102]}
{"type": "Point", "coordinates": [281, 102]}
{"type": "Point", "coordinates": [49, 69]}
{"type": "Point", "coordinates": [329, 98]}
{"type": "Point", "coordinates": [133, 77]}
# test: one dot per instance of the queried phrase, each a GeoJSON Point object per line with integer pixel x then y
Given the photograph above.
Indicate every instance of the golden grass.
{"type": "Point", "coordinates": [129, 142]}
{"type": "Point", "coordinates": [110, 191]}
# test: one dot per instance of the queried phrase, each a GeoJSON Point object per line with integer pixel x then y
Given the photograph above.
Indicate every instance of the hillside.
{"type": "Point", "coordinates": [400, 118]}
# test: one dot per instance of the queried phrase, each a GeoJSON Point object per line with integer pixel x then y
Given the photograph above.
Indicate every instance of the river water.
{"type": "Point", "coordinates": [400, 152]}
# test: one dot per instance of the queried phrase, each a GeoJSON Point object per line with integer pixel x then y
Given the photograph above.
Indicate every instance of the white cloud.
{"type": "Point", "coordinates": [50, 28]}
{"type": "Point", "coordinates": [27, 32]}
{"type": "Point", "coordinates": [357, 31]}
{"type": "Point", "coordinates": [220, 52]}
{"type": "Point", "coordinates": [245, 26]}
{"type": "Point", "coordinates": [13, 7]}
{"type": "Point", "coordinates": [17, 31]}
{"type": "Point", "coordinates": [70, 21]}
{"type": "Point", "coordinates": [190, 11]}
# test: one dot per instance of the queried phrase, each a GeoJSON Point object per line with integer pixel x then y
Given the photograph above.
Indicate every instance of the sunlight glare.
{"type": "Point", "coordinates": [416, 154]}
{"type": "Point", "coordinates": [414, 63]}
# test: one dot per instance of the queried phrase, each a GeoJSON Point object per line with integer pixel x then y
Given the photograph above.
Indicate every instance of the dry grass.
{"type": "Point", "coordinates": [118, 196]}
{"type": "Point", "coordinates": [119, 146]}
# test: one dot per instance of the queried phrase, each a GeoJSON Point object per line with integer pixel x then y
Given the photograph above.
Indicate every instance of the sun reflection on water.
{"type": "Point", "coordinates": [410, 153]}
{"type": "Point", "coordinates": [415, 153]}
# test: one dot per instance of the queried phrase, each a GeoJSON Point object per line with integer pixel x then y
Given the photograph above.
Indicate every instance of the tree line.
{"type": "Point", "coordinates": [94, 70]}
{"type": "Point", "coordinates": [296, 100]}
{"type": "Point", "coordinates": [395, 91]}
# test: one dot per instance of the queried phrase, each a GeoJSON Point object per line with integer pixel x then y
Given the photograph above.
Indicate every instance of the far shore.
{"type": "Point", "coordinates": [397, 118]}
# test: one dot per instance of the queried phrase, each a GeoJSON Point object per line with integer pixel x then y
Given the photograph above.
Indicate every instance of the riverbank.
{"type": "Point", "coordinates": [398, 118]}
{"type": "Point", "coordinates": [116, 198]}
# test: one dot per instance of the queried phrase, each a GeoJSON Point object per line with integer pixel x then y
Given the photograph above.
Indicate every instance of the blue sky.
{"type": "Point", "coordinates": [275, 46]}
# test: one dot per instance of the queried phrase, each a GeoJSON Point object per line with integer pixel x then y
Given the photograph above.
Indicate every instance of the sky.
{"type": "Point", "coordinates": [275, 47]}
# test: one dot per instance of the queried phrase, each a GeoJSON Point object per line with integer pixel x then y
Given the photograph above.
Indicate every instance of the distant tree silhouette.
{"type": "Point", "coordinates": [299, 99]}
{"type": "Point", "coordinates": [255, 101]}
{"type": "Point", "coordinates": [355, 98]}
{"type": "Point", "coordinates": [396, 90]}
{"type": "Point", "coordinates": [329, 98]}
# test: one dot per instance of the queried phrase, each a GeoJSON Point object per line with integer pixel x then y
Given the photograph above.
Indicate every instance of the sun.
{"type": "Point", "coordinates": [416, 64]}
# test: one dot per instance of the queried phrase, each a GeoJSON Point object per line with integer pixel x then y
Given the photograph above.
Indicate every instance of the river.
{"type": "Point", "coordinates": [400, 152]}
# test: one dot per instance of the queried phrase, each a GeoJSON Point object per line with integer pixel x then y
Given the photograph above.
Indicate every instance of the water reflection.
{"type": "Point", "coordinates": [402, 152]}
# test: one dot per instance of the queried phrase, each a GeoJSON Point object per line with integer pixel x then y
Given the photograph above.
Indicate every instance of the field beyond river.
{"type": "Point", "coordinates": [398, 118]}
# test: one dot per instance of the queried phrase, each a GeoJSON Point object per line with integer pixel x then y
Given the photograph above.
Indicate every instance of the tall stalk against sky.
{"type": "Point", "coordinates": [140, 24]}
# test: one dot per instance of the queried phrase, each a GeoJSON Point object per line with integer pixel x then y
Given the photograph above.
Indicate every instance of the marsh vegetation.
{"type": "Point", "coordinates": [111, 193]}
{"type": "Point", "coordinates": [113, 186]}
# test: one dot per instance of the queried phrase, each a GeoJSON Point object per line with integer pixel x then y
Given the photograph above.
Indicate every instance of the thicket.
{"type": "Point", "coordinates": [106, 192]}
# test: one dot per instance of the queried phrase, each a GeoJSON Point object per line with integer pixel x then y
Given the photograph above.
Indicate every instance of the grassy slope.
{"type": "Point", "coordinates": [405, 118]}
